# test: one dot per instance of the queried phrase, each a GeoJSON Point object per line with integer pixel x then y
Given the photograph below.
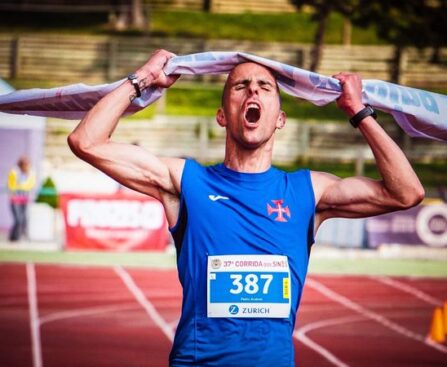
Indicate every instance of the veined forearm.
{"type": "Point", "coordinates": [100, 122]}
{"type": "Point", "coordinates": [98, 125]}
{"type": "Point", "coordinates": [398, 176]}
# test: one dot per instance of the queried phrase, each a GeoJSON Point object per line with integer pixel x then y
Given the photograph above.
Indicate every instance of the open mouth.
{"type": "Point", "coordinates": [253, 113]}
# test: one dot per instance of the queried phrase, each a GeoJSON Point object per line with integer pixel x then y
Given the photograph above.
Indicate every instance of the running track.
{"type": "Point", "coordinates": [67, 316]}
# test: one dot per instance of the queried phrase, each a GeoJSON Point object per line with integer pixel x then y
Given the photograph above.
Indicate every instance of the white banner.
{"type": "Point", "coordinates": [419, 113]}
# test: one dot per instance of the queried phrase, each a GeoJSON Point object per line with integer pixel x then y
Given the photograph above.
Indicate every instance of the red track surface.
{"type": "Point", "coordinates": [125, 317]}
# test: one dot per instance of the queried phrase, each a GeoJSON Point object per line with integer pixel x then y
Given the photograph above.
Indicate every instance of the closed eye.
{"type": "Point", "coordinates": [267, 86]}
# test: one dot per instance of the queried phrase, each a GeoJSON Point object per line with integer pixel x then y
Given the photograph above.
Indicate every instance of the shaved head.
{"type": "Point", "coordinates": [230, 79]}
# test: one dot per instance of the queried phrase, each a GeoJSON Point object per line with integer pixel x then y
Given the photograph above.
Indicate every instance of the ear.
{"type": "Point", "coordinates": [220, 117]}
{"type": "Point", "coordinates": [280, 123]}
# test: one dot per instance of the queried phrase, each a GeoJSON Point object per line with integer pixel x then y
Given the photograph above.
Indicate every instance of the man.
{"type": "Point", "coordinates": [21, 181]}
{"type": "Point", "coordinates": [243, 229]}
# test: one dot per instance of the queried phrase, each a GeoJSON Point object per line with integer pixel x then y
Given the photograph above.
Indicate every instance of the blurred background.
{"type": "Point", "coordinates": [52, 43]}
{"type": "Point", "coordinates": [78, 216]}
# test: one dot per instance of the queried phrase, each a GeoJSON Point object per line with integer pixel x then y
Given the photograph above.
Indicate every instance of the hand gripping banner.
{"type": "Point", "coordinates": [418, 112]}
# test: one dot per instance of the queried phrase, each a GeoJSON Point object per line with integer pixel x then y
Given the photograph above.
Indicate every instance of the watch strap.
{"type": "Point", "coordinates": [359, 116]}
{"type": "Point", "coordinates": [134, 80]}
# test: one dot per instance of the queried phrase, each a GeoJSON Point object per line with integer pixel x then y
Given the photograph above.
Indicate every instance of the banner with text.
{"type": "Point", "coordinates": [418, 112]}
{"type": "Point", "coordinates": [117, 222]}
{"type": "Point", "coordinates": [422, 225]}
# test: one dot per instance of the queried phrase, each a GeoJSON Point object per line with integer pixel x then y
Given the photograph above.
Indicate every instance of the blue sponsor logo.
{"type": "Point", "coordinates": [322, 82]}
{"type": "Point", "coordinates": [404, 96]}
{"type": "Point", "coordinates": [233, 309]}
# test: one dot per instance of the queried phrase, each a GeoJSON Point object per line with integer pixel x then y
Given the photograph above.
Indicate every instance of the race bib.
{"type": "Point", "coordinates": [248, 286]}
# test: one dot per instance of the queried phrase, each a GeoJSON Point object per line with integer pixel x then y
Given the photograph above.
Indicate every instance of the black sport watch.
{"type": "Point", "coordinates": [359, 116]}
{"type": "Point", "coordinates": [134, 80]}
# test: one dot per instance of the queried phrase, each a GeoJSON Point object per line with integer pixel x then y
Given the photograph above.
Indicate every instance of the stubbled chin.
{"type": "Point", "coordinates": [251, 139]}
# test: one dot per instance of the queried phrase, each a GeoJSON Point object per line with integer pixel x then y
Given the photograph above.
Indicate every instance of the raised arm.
{"type": "Point", "coordinates": [129, 164]}
{"type": "Point", "coordinates": [356, 197]}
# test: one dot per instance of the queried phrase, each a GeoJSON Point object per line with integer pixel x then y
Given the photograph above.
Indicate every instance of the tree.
{"type": "Point", "coordinates": [132, 15]}
{"type": "Point", "coordinates": [322, 9]}
{"type": "Point", "coordinates": [419, 23]}
{"type": "Point", "coordinates": [206, 5]}
{"type": "Point", "coordinates": [436, 28]}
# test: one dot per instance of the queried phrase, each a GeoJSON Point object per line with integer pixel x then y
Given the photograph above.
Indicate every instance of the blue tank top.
{"type": "Point", "coordinates": [227, 212]}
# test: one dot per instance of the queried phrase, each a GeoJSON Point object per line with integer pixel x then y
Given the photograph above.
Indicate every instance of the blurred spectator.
{"type": "Point", "coordinates": [21, 181]}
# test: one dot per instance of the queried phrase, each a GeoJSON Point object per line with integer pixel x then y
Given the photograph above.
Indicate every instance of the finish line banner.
{"type": "Point", "coordinates": [116, 222]}
{"type": "Point", "coordinates": [421, 225]}
{"type": "Point", "coordinates": [419, 113]}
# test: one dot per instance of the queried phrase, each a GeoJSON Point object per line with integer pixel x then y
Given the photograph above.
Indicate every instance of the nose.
{"type": "Point", "coordinates": [253, 88]}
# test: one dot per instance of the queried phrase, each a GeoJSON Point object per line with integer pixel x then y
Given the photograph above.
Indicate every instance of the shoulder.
{"type": "Point", "coordinates": [183, 168]}
{"type": "Point", "coordinates": [174, 164]}
{"type": "Point", "coordinates": [321, 181]}
{"type": "Point", "coordinates": [175, 167]}
{"type": "Point", "coordinates": [300, 172]}
{"type": "Point", "coordinates": [179, 165]}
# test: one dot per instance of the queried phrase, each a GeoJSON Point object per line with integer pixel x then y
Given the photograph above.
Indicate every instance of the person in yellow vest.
{"type": "Point", "coordinates": [21, 180]}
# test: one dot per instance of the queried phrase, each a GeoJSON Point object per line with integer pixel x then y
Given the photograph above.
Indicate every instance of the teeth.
{"type": "Point", "coordinates": [253, 105]}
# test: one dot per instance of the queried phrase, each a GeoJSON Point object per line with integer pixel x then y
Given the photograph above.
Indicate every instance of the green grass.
{"type": "Point", "coordinates": [438, 90]}
{"type": "Point", "coordinates": [34, 83]}
{"type": "Point", "coordinates": [193, 101]}
{"type": "Point", "coordinates": [318, 265]}
{"type": "Point", "coordinates": [304, 110]}
{"type": "Point", "coordinates": [135, 259]}
{"type": "Point", "coordinates": [432, 175]}
{"type": "Point", "coordinates": [288, 27]}
{"type": "Point", "coordinates": [147, 113]}
{"type": "Point", "coordinates": [279, 27]}
{"type": "Point", "coordinates": [391, 267]}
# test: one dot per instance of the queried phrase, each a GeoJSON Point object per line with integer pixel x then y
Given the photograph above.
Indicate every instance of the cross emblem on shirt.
{"type": "Point", "coordinates": [279, 209]}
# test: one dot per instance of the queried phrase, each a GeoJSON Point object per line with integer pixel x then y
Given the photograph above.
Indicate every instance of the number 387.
{"type": "Point", "coordinates": [250, 283]}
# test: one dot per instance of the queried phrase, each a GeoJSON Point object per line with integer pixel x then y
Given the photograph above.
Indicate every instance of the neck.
{"type": "Point", "coordinates": [247, 160]}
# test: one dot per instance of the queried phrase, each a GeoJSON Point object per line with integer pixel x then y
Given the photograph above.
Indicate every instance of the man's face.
{"type": "Point", "coordinates": [251, 106]}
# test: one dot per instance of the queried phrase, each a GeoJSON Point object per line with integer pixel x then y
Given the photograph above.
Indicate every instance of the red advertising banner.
{"type": "Point", "coordinates": [124, 221]}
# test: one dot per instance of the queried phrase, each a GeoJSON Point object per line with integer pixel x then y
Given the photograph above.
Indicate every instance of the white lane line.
{"type": "Point", "coordinates": [34, 315]}
{"type": "Point", "coordinates": [173, 324]}
{"type": "Point", "coordinates": [145, 303]}
{"type": "Point", "coordinates": [86, 312]}
{"type": "Point", "coordinates": [409, 289]}
{"type": "Point", "coordinates": [329, 293]}
{"type": "Point", "coordinates": [300, 334]}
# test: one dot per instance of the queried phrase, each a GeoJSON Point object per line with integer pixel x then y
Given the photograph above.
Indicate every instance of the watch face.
{"type": "Point", "coordinates": [132, 76]}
